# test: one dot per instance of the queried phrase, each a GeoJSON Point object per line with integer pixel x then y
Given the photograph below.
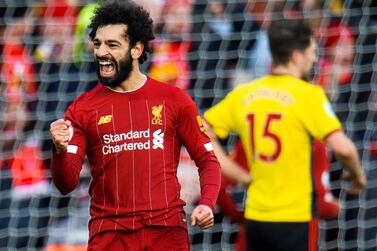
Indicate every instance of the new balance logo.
{"type": "Point", "coordinates": [158, 139]}
{"type": "Point", "coordinates": [105, 119]}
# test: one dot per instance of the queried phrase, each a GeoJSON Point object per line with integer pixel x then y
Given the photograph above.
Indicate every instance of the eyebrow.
{"type": "Point", "coordinates": [107, 41]}
{"type": "Point", "coordinates": [112, 41]}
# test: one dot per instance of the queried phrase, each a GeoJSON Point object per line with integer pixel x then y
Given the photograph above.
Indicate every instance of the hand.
{"type": "Point", "coordinates": [358, 182]}
{"type": "Point", "coordinates": [60, 134]}
{"type": "Point", "coordinates": [246, 181]}
{"type": "Point", "coordinates": [202, 216]}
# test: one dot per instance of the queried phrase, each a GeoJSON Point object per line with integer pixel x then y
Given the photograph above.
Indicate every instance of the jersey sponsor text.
{"type": "Point", "coordinates": [135, 140]}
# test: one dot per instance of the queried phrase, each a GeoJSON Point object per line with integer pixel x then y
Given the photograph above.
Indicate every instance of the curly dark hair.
{"type": "Point", "coordinates": [137, 19]}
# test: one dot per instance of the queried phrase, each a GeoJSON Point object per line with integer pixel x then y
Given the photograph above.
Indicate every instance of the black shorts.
{"type": "Point", "coordinates": [281, 236]}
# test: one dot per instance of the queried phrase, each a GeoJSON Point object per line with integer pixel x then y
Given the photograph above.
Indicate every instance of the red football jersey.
{"type": "Point", "coordinates": [133, 141]}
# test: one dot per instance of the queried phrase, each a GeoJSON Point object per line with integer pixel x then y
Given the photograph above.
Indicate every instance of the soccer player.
{"type": "Point", "coordinates": [326, 205]}
{"type": "Point", "coordinates": [131, 128]}
{"type": "Point", "coordinates": [277, 117]}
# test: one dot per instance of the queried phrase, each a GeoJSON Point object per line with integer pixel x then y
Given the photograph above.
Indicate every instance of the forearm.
{"type": "Point", "coordinates": [210, 179]}
{"type": "Point", "coordinates": [65, 171]}
{"type": "Point", "coordinates": [229, 167]}
{"type": "Point", "coordinates": [346, 153]}
{"type": "Point", "coordinates": [351, 161]}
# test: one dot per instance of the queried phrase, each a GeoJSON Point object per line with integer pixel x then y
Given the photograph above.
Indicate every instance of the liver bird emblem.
{"type": "Point", "coordinates": [156, 112]}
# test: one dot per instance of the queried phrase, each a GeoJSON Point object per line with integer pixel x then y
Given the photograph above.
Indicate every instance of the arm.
{"type": "Point", "coordinates": [229, 168]}
{"type": "Point", "coordinates": [346, 153]}
{"type": "Point", "coordinates": [191, 133]}
{"type": "Point", "coordinates": [65, 171]}
{"type": "Point", "coordinates": [210, 178]}
{"type": "Point", "coordinates": [322, 123]}
{"type": "Point", "coordinates": [65, 165]}
{"type": "Point", "coordinates": [202, 216]}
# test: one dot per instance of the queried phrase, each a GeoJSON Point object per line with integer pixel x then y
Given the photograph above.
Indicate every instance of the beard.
{"type": "Point", "coordinates": [123, 69]}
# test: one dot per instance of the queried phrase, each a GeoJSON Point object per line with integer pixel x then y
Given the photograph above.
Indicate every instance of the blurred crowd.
{"type": "Point", "coordinates": [203, 47]}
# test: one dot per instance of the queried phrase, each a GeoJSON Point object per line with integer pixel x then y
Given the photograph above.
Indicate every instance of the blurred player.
{"type": "Point", "coordinates": [327, 206]}
{"type": "Point", "coordinates": [131, 128]}
{"type": "Point", "coordinates": [276, 117]}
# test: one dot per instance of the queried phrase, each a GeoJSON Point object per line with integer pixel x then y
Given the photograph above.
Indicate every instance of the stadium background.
{"type": "Point", "coordinates": [204, 47]}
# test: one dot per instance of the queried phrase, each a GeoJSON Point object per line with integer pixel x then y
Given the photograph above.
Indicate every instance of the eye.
{"type": "Point", "coordinates": [96, 44]}
{"type": "Point", "coordinates": [113, 45]}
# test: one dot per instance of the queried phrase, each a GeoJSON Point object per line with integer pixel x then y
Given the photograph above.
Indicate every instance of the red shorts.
{"type": "Point", "coordinates": [145, 239]}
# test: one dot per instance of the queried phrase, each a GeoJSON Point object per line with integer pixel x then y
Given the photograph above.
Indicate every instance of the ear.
{"type": "Point", "coordinates": [137, 50]}
{"type": "Point", "coordinates": [296, 57]}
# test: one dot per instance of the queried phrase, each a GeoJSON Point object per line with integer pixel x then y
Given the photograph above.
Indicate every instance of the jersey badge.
{"type": "Point", "coordinates": [156, 112]}
{"type": "Point", "coordinates": [200, 124]}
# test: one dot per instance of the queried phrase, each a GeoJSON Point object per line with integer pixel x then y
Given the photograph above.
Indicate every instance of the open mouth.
{"type": "Point", "coordinates": [106, 68]}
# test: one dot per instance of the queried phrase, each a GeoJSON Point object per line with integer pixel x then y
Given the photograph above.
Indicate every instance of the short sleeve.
{"type": "Point", "coordinates": [221, 116]}
{"type": "Point", "coordinates": [318, 115]}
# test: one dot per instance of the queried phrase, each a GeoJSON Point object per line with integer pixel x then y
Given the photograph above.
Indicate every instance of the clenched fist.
{"type": "Point", "coordinates": [202, 216]}
{"type": "Point", "coordinates": [61, 133]}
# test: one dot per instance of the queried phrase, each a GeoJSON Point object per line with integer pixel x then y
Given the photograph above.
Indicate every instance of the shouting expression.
{"type": "Point", "coordinates": [112, 54]}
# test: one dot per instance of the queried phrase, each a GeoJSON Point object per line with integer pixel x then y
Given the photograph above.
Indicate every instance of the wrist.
{"type": "Point", "coordinates": [58, 150]}
{"type": "Point", "coordinates": [203, 203]}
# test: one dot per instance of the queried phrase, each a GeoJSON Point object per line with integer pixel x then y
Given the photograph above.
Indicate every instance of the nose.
{"type": "Point", "coordinates": [101, 50]}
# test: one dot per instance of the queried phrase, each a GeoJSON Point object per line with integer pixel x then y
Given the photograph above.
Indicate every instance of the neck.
{"type": "Point", "coordinates": [288, 69]}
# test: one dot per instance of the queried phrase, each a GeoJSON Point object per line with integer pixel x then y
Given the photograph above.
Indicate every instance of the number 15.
{"type": "Point", "coordinates": [267, 134]}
